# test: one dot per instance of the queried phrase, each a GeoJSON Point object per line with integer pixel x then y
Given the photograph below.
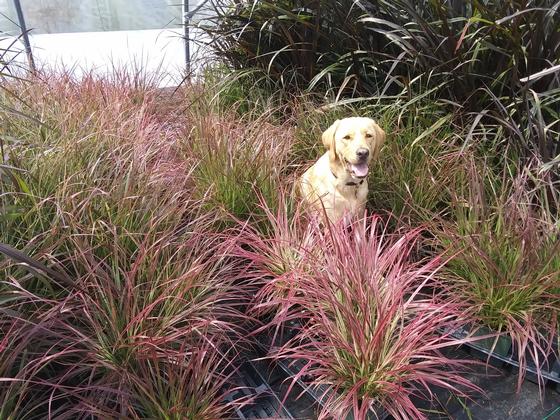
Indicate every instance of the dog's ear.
{"type": "Point", "coordinates": [377, 140]}
{"type": "Point", "coordinates": [328, 139]}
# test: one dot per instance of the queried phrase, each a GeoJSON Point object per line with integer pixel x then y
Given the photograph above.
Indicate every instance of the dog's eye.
{"type": "Point", "coordinates": [368, 136]}
{"type": "Point", "coordinates": [346, 137]}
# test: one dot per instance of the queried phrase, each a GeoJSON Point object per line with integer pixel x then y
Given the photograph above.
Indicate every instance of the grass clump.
{"type": "Point", "coordinates": [414, 165]}
{"type": "Point", "coordinates": [278, 257]}
{"type": "Point", "coordinates": [367, 331]}
{"type": "Point", "coordinates": [507, 265]}
{"type": "Point", "coordinates": [236, 162]}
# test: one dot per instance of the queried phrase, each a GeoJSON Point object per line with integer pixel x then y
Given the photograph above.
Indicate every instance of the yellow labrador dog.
{"type": "Point", "coordinates": [337, 182]}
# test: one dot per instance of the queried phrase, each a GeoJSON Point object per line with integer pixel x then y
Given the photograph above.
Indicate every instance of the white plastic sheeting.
{"type": "Point", "coordinates": [100, 35]}
{"type": "Point", "coordinates": [63, 16]}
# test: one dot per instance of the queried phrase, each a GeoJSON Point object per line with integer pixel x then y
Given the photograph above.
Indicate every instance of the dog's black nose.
{"type": "Point", "coordinates": [362, 153]}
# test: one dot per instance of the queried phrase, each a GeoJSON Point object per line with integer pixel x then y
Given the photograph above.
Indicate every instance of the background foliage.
{"type": "Point", "coordinates": [473, 57]}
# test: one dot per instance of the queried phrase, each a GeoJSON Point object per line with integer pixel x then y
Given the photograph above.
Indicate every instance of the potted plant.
{"type": "Point", "coordinates": [367, 336]}
{"type": "Point", "coordinates": [507, 267]}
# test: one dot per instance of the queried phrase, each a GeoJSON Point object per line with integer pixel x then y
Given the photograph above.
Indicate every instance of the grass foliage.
{"type": "Point", "coordinates": [120, 302]}
{"type": "Point", "coordinates": [368, 331]}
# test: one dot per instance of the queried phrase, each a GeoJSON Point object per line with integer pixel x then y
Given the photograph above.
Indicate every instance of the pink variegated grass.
{"type": "Point", "coordinates": [148, 298]}
{"type": "Point", "coordinates": [276, 257]}
{"type": "Point", "coordinates": [507, 263]}
{"type": "Point", "coordinates": [126, 335]}
{"type": "Point", "coordinates": [372, 325]}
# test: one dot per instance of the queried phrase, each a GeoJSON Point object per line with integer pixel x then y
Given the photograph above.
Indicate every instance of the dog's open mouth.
{"type": "Point", "coordinates": [358, 170]}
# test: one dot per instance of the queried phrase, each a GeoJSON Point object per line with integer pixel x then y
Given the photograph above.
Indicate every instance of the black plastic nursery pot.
{"type": "Point", "coordinates": [263, 403]}
{"type": "Point", "coordinates": [550, 370]}
{"type": "Point", "coordinates": [500, 353]}
{"type": "Point", "coordinates": [500, 345]}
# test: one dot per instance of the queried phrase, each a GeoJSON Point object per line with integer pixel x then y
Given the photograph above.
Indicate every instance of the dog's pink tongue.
{"type": "Point", "coordinates": [361, 169]}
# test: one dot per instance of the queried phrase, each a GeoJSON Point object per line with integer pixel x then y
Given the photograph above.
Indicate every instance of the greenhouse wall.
{"type": "Point", "coordinates": [99, 35]}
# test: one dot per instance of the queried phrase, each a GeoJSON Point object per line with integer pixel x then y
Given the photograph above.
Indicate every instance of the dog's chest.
{"type": "Point", "coordinates": [350, 198]}
{"type": "Point", "coordinates": [352, 191]}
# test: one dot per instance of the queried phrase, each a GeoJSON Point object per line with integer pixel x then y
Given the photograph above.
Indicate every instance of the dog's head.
{"type": "Point", "coordinates": [353, 143]}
